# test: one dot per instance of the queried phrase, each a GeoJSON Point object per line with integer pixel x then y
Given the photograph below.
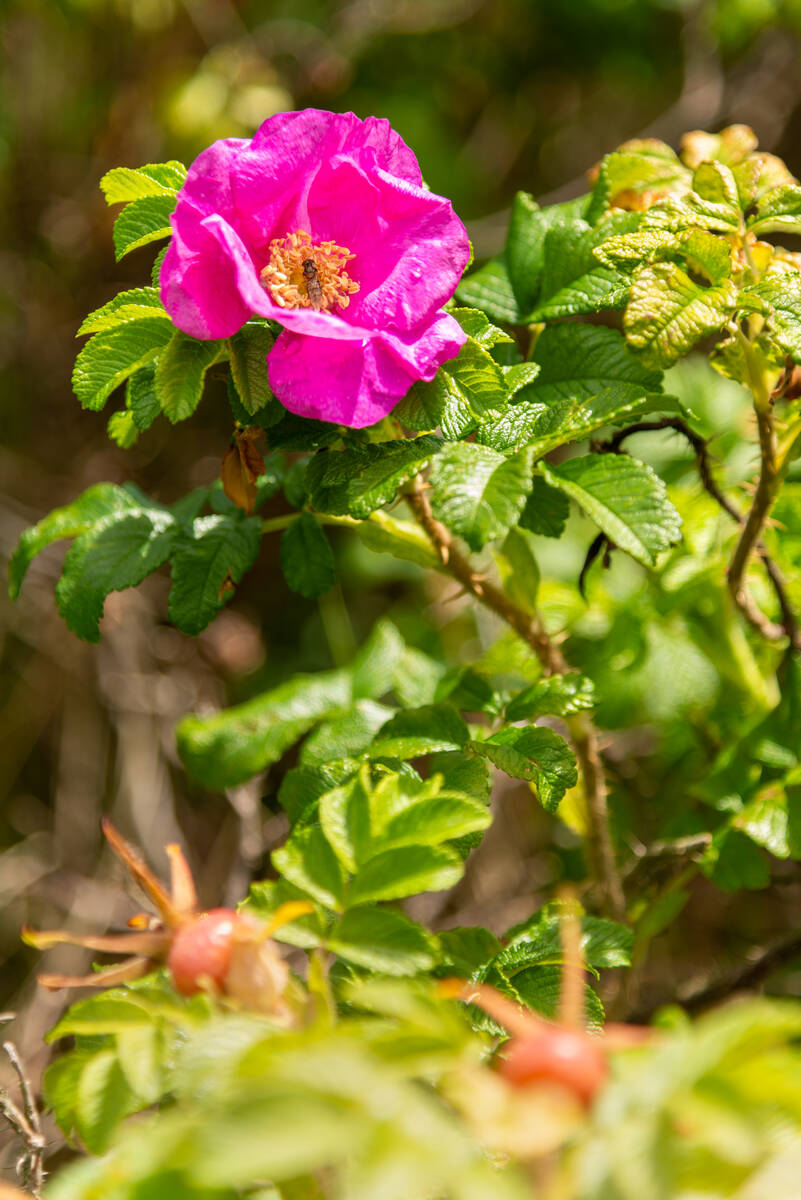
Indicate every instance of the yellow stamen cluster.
{"type": "Point", "coordinates": [329, 285]}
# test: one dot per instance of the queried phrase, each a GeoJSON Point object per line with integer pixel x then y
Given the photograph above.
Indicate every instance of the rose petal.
{"type": "Point", "coordinates": [356, 384]}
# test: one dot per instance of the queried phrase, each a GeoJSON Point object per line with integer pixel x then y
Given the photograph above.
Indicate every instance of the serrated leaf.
{"type": "Point", "coordinates": [122, 184]}
{"type": "Point", "coordinates": [573, 281]}
{"type": "Point", "coordinates": [307, 560]}
{"type": "Point", "coordinates": [139, 1053]}
{"type": "Point", "coordinates": [82, 514]}
{"type": "Point", "coordinates": [60, 1086]}
{"type": "Point", "coordinates": [303, 786]}
{"type": "Point", "coordinates": [489, 289]}
{"type": "Point", "coordinates": [624, 497]}
{"type": "Point", "coordinates": [137, 304]}
{"type": "Point", "coordinates": [405, 871]}
{"type": "Point", "coordinates": [778, 211]}
{"type": "Point", "coordinates": [477, 326]}
{"type": "Point", "coordinates": [633, 175]}
{"type": "Point", "coordinates": [345, 736]}
{"type": "Point", "coordinates": [555, 696]}
{"type": "Point", "coordinates": [248, 350]}
{"type": "Point", "coordinates": [232, 746]}
{"type": "Point", "coordinates": [118, 552]}
{"type": "Point", "coordinates": [477, 492]}
{"type": "Point", "coordinates": [207, 555]}
{"type": "Point", "coordinates": [525, 243]}
{"type": "Point", "coordinates": [536, 754]}
{"type": "Point", "coordinates": [780, 295]}
{"type": "Point", "coordinates": [465, 950]}
{"type": "Point", "coordinates": [103, 1099]}
{"type": "Point", "coordinates": [180, 374]}
{"type": "Point", "coordinates": [112, 355]}
{"type": "Point", "coordinates": [459, 396]}
{"type": "Point", "coordinates": [122, 429]}
{"type": "Point", "coordinates": [380, 939]}
{"type": "Point", "coordinates": [668, 312]}
{"type": "Point", "coordinates": [360, 480]}
{"type": "Point", "coordinates": [546, 510]}
{"type": "Point", "coordinates": [141, 398]}
{"type": "Point", "coordinates": [142, 222]}
{"type": "Point", "coordinates": [418, 731]}
{"type": "Point", "coordinates": [309, 863]}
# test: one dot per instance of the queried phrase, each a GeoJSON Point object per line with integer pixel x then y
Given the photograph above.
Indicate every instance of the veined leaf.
{"type": "Point", "coordinates": [525, 243]}
{"type": "Point", "coordinates": [112, 355]}
{"type": "Point", "coordinates": [358, 481]}
{"type": "Point", "coordinates": [209, 555]}
{"type": "Point", "coordinates": [117, 552]}
{"type": "Point", "coordinates": [577, 362]}
{"type": "Point", "coordinates": [478, 327]}
{"type": "Point", "coordinates": [97, 502]}
{"type": "Point", "coordinates": [248, 350]}
{"type": "Point", "coordinates": [536, 754]}
{"type": "Point", "coordinates": [489, 289]}
{"type": "Point", "coordinates": [138, 304]}
{"type": "Point", "coordinates": [778, 211]}
{"type": "Point", "coordinates": [459, 396]}
{"type": "Point", "coordinates": [573, 281]}
{"type": "Point", "coordinates": [381, 939]}
{"type": "Point", "coordinates": [306, 558]}
{"type": "Point", "coordinates": [234, 745]}
{"type": "Point", "coordinates": [668, 312]}
{"type": "Point", "coordinates": [624, 497]}
{"type": "Point", "coordinates": [308, 862]}
{"type": "Point", "coordinates": [631, 176]}
{"type": "Point", "coordinates": [122, 184]}
{"type": "Point", "coordinates": [779, 294]}
{"type": "Point", "coordinates": [557, 696]}
{"type": "Point", "coordinates": [180, 374]}
{"type": "Point", "coordinates": [103, 1099]}
{"type": "Point", "coordinates": [477, 492]}
{"type": "Point", "coordinates": [142, 222]}
{"type": "Point", "coordinates": [546, 510]}
{"type": "Point", "coordinates": [418, 731]}
{"type": "Point", "coordinates": [141, 398]}
{"type": "Point", "coordinates": [405, 871]}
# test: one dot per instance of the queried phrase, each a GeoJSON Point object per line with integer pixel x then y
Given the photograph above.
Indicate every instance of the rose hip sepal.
{"type": "Point", "coordinates": [547, 1052]}
{"type": "Point", "coordinates": [220, 951]}
{"type": "Point", "coordinates": [321, 223]}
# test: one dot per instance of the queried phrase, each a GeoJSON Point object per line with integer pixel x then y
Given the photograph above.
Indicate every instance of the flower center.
{"type": "Point", "coordinates": [306, 274]}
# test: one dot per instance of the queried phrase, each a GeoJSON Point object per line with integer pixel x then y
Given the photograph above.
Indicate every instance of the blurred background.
{"type": "Point", "coordinates": [493, 95]}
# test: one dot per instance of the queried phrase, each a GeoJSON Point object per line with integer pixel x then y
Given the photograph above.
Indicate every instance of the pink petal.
{"type": "Point", "coordinates": [358, 384]}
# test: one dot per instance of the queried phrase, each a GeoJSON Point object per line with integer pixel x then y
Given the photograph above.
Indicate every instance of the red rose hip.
{"type": "Point", "coordinates": [557, 1055]}
{"type": "Point", "coordinates": [201, 951]}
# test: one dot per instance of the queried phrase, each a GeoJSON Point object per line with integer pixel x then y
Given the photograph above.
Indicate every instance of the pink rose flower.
{"type": "Point", "coordinates": [320, 222]}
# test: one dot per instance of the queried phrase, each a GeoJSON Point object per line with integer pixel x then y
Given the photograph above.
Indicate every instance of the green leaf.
{"type": "Point", "coordinates": [117, 552]}
{"type": "Point", "coordinates": [60, 1086]}
{"type": "Point", "coordinates": [345, 736]}
{"type": "Point", "coordinates": [778, 211]}
{"type": "Point", "coordinates": [380, 939]}
{"type": "Point", "coordinates": [573, 281]}
{"type": "Point", "coordinates": [111, 356]}
{"type": "Point", "coordinates": [306, 558]}
{"type": "Point", "coordinates": [139, 1053]}
{"type": "Point", "coordinates": [141, 398]}
{"type": "Point", "coordinates": [73, 519]}
{"type": "Point", "coordinates": [643, 165]}
{"type": "Point", "coordinates": [733, 862]}
{"type": "Point", "coordinates": [558, 696]}
{"type": "Point", "coordinates": [103, 1099]}
{"type": "Point", "coordinates": [308, 861]}
{"type": "Point", "coordinates": [358, 481]}
{"type": "Point", "coordinates": [401, 539]}
{"type": "Point", "coordinates": [122, 429]}
{"type": "Point", "coordinates": [536, 754]}
{"type": "Point", "coordinates": [489, 289]}
{"type": "Point", "coordinates": [546, 510]}
{"type": "Point", "coordinates": [180, 374]}
{"type": "Point", "coordinates": [248, 350]}
{"type": "Point", "coordinates": [478, 327]}
{"type": "Point", "coordinates": [517, 564]}
{"type": "Point", "coordinates": [780, 294]}
{"type": "Point", "coordinates": [142, 222]}
{"type": "Point", "coordinates": [377, 662]}
{"type": "Point", "coordinates": [303, 786]}
{"type": "Point", "coordinates": [224, 750]}
{"type": "Point", "coordinates": [525, 243]}
{"type": "Point", "coordinates": [112, 1011]}
{"type": "Point", "coordinates": [459, 396]}
{"type": "Point", "coordinates": [139, 304]}
{"type": "Point", "coordinates": [624, 497]}
{"type": "Point", "coordinates": [209, 554]}
{"type": "Point", "coordinates": [465, 950]}
{"type": "Point", "coordinates": [419, 731]}
{"type": "Point", "coordinates": [668, 312]}
{"type": "Point", "coordinates": [405, 871]}
{"type": "Point", "coordinates": [577, 362]}
{"type": "Point", "coordinates": [122, 184]}
{"type": "Point", "coordinates": [477, 492]}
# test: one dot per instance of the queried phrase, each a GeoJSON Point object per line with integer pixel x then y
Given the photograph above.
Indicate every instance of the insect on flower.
{"type": "Point", "coordinates": [313, 288]}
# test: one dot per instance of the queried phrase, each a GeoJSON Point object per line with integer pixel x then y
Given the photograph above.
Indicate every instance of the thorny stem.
{"type": "Point", "coordinates": [583, 733]}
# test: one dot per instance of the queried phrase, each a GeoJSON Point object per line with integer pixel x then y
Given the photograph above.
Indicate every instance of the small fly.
{"type": "Point", "coordinates": [313, 289]}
